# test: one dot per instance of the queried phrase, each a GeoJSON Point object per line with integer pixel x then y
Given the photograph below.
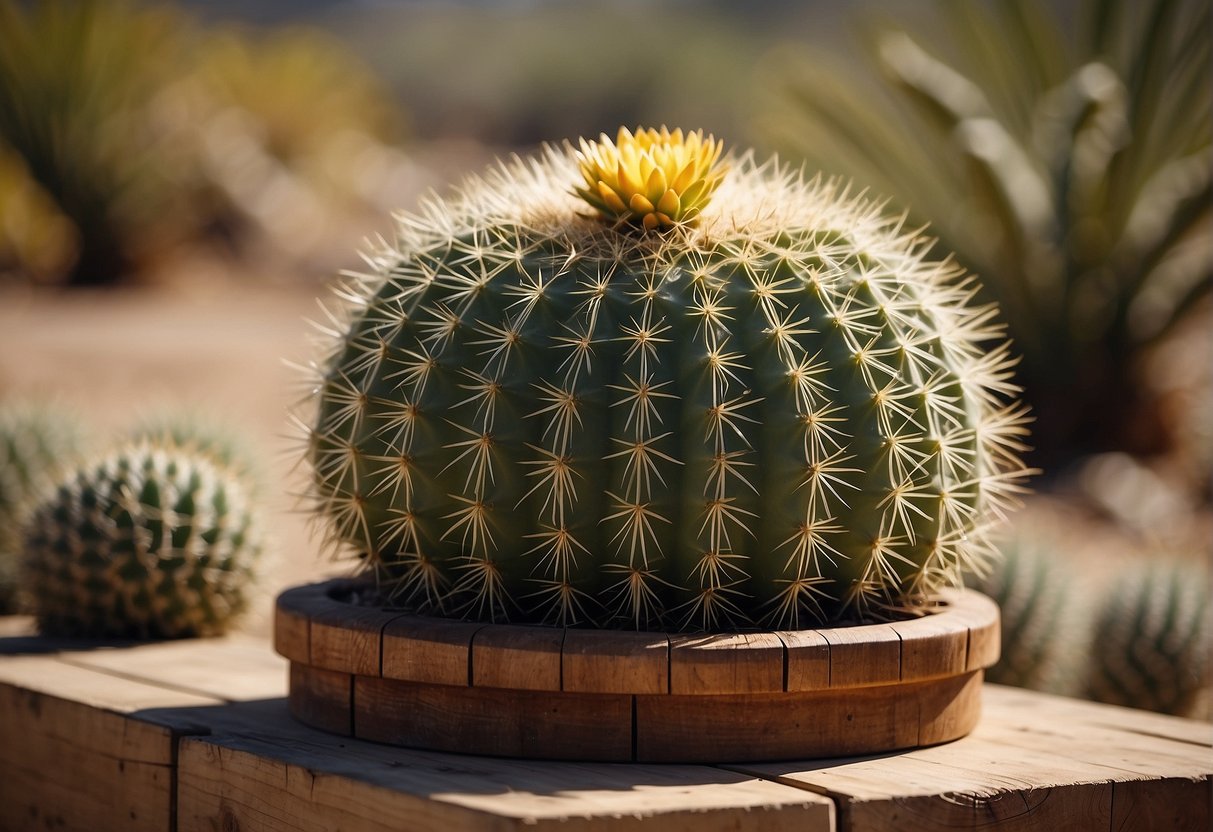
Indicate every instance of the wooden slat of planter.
{"type": "Point", "coordinates": [597, 661]}
{"type": "Point", "coordinates": [420, 649]}
{"type": "Point", "coordinates": [285, 778]}
{"type": "Point", "coordinates": [714, 664]}
{"type": "Point", "coordinates": [931, 647]}
{"type": "Point", "coordinates": [517, 657]}
{"type": "Point", "coordinates": [808, 659]}
{"type": "Point", "coordinates": [1033, 762]}
{"type": "Point", "coordinates": [346, 637]}
{"type": "Point", "coordinates": [802, 725]}
{"type": "Point", "coordinates": [323, 698]}
{"type": "Point", "coordinates": [865, 655]}
{"type": "Point", "coordinates": [494, 721]}
{"type": "Point", "coordinates": [291, 639]}
{"type": "Point", "coordinates": [981, 616]}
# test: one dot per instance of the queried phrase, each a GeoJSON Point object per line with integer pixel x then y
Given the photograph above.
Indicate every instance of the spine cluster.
{"type": "Point", "coordinates": [784, 416]}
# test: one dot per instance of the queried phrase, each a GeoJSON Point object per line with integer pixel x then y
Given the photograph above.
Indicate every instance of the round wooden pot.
{"type": "Point", "coordinates": [568, 694]}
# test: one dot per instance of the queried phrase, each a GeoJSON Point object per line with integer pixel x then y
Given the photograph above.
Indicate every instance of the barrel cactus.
{"type": "Point", "coordinates": [633, 384]}
{"type": "Point", "coordinates": [1150, 646]}
{"type": "Point", "coordinates": [145, 542]}
{"type": "Point", "coordinates": [36, 440]}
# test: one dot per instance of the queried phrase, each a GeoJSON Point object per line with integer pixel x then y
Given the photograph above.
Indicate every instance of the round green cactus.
{"type": "Point", "coordinates": [146, 542]}
{"type": "Point", "coordinates": [767, 409]}
{"type": "Point", "coordinates": [1150, 645]}
{"type": "Point", "coordinates": [35, 441]}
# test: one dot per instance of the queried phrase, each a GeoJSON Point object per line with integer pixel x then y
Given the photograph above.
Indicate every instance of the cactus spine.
{"type": "Point", "coordinates": [146, 542]}
{"type": "Point", "coordinates": [769, 409]}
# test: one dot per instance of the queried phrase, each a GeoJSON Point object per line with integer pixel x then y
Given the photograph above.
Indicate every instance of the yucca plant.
{"type": "Point", "coordinates": [634, 385]}
{"type": "Point", "coordinates": [1071, 171]}
{"type": "Point", "coordinates": [77, 83]}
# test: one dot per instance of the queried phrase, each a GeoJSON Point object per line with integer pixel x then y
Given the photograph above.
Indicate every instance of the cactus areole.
{"type": "Point", "coordinates": [633, 384]}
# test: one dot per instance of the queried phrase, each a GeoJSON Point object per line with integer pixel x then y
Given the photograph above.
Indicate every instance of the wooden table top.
{"type": "Point", "coordinates": [195, 736]}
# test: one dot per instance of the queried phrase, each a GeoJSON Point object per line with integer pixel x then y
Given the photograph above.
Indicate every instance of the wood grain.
{"type": "Point", "coordinates": [598, 661]}
{"type": "Point", "coordinates": [1033, 762]}
{"type": "Point", "coordinates": [807, 653]}
{"type": "Point", "coordinates": [802, 725]}
{"type": "Point", "coordinates": [89, 737]}
{"type": "Point", "coordinates": [869, 654]}
{"type": "Point", "coordinates": [322, 698]}
{"type": "Point", "coordinates": [70, 757]}
{"type": "Point", "coordinates": [932, 646]}
{"type": "Point", "coordinates": [291, 639]}
{"type": "Point", "coordinates": [346, 637]}
{"type": "Point", "coordinates": [431, 650]}
{"type": "Point", "coordinates": [726, 664]}
{"type": "Point", "coordinates": [494, 721]}
{"type": "Point", "coordinates": [284, 777]}
{"type": "Point", "coordinates": [980, 615]}
{"type": "Point", "coordinates": [517, 657]}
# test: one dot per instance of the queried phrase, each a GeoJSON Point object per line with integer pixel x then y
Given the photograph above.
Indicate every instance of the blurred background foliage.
{"type": "Point", "coordinates": [1061, 148]}
{"type": "Point", "coordinates": [1068, 163]}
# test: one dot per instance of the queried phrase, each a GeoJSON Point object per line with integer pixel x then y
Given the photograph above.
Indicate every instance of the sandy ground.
{"type": "Point", "coordinates": [219, 350]}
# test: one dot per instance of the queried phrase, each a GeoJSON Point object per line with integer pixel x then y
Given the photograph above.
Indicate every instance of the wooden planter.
{"type": "Point", "coordinates": [569, 694]}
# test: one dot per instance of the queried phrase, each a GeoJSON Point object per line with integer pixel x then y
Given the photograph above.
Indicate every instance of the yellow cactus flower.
{"type": "Point", "coordinates": [656, 179]}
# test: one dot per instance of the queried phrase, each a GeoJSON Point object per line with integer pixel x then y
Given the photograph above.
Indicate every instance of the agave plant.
{"type": "Point", "coordinates": [1071, 172]}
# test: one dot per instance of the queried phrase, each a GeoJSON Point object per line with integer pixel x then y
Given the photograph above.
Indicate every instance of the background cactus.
{"type": "Point", "coordinates": [1034, 593]}
{"type": "Point", "coordinates": [1150, 646]}
{"type": "Point", "coordinates": [35, 442]}
{"type": "Point", "coordinates": [775, 411]}
{"type": "Point", "coordinates": [146, 542]}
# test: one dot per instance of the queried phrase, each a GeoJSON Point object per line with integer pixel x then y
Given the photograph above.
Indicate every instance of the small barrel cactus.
{"type": "Point", "coordinates": [1150, 646]}
{"type": "Point", "coordinates": [35, 442]}
{"type": "Point", "coordinates": [635, 385]}
{"type": "Point", "coordinates": [145, 542]}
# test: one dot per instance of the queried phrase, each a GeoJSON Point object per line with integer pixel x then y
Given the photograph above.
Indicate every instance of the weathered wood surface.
{"type": "Point", "coordinates": [197, 734]}
{"type": "Point", "coordinates": [591, 695]}
{"type": "Point", "coordinates": [1034, 762]}
{"type": "Point", "coordinates": [318, 626]}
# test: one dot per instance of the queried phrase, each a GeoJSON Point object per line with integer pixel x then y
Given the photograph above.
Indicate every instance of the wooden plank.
{"type": "Point", "coordinates": [599, 661]}
{"type": "Point", "coordinates": [283, 777]}
{"type": "Point", "coordinates": [981, 616]}
{"type": "Point", "coordinates": [868, 654]}
{"type": "Point", "coordinates": [726, 664]}
{"type": "Point", "coordinates": [291, 630]}
{"type": "Point", "coordinates": [233, 668]}
{"type": "Point", "coordinates": [808, 659]}
{"type": "Point", "coordinates": [517, 657]}
{"type": "Point", "coordinates": [494, 721]}
{"type": "Point", "coordinates": [803, 725]}
{"type": "Point", "coordinates": [1033, 762]}
{"type": "Point", "coordinates": [435, 651]}
{"type": "Point", "coordinates": [931, 647]}
{"type": "Point", "coordinates": [323, 699]}
{"type": "Point", "coordinates": [71, 758]}
{"type": "Point", "coordinates": [347, 637]}
{"type": "Point", "coordinates": [1171, 803]}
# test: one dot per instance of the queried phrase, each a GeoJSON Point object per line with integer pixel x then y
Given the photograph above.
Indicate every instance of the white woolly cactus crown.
{"type": "Point", "coordinates": [727, 397]}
